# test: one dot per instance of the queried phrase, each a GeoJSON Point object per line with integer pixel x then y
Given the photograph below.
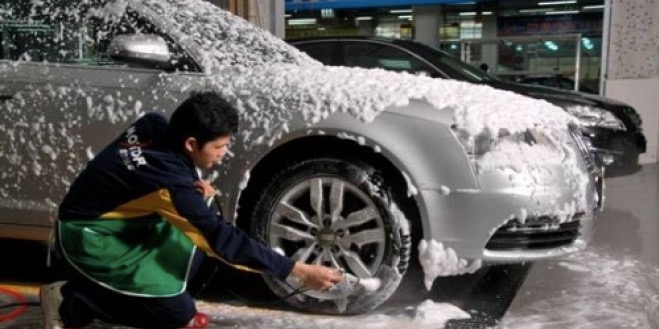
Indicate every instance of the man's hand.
{"type": "Point", "coordinates": [316, 277]}
{"type": "Point", "coordinates": [205, 188]}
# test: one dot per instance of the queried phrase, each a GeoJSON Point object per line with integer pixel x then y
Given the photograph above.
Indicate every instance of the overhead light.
{"type": "Point", "coordinates": [551, 3]}
{"type": "Point", "coordinates": [408, 17]}
{"type": "Point", "coordinates": [302, 21]}
{"type": "Point", "coordinates": [327, 13]}
{"type": "Point", "coordinates": [401, 11]}
{"type": "Point", "coordinates": [562, 12]}
{"type": "Point", "coordinates": [364, 18]}
{"type": "Point", "coordinates": [473, 13]}
{"type": "Point", "coordinates": [551, 45]}
{"type": "Point", "coordinates": [535, 10]}
{"type": "Point", "coordinates": [593, 7]}
{"type": "Point", "coordinates": [587, 43]}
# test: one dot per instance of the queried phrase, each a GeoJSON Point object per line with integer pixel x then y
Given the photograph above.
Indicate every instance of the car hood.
{"type": "Point", "coordinates": [556, 95]}
{"type": "Point", "coordinates": [272, 96]}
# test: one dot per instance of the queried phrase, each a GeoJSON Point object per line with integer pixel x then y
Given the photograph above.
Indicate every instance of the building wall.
{"type": "Point", "coordinates": [632, 72]}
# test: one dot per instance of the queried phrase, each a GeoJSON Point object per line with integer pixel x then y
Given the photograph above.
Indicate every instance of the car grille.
{"type": "Point", "coordinates": [542, 232]}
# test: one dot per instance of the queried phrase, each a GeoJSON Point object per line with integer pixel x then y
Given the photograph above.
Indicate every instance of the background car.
{"type": "Point", "coordinates": [353, 168]}
{"type": "Point", "coordinates": [555, 81]}
{"type": "Point", "coordinates": [614, 130]}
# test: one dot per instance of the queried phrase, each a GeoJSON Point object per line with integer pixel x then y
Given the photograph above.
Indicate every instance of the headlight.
{"type": "Point", "coordinates": [589, 116]}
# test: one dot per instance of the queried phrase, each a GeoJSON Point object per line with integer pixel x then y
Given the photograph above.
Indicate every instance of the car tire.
{"type": "Point", "coordinates": [361, 231]}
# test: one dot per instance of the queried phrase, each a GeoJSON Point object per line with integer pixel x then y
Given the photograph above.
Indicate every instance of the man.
{"type": "Point", "coordinates": [130, 224]}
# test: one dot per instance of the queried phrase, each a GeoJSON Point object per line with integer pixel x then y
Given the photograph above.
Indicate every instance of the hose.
{"type": "Point", "coordinates": [19, 306]}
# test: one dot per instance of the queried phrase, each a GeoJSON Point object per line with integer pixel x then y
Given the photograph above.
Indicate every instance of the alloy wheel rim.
{"type": "Point", "coordinates": [329, 221]}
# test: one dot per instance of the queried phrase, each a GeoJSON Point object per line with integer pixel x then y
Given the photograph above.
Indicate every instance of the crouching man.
{"type": "Point", "coordinates": [133, 221]}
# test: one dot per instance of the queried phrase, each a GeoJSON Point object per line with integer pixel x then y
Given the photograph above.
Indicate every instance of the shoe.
{"type": "Point", "coordinates": [50, 298]}
{"type": "Point", "coordinates": [199, 320]}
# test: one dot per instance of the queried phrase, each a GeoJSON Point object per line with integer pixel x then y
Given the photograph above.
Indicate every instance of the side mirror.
{"type": "Point", "coordinates": [147, 50]}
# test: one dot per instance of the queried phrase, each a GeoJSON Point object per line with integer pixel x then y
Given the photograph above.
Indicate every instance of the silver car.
{"type": "Point", "coordinates": [347, 167]}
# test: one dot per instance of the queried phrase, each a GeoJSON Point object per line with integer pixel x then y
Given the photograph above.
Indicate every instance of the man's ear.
{"type": "Point", "coordinates": [190, 145]}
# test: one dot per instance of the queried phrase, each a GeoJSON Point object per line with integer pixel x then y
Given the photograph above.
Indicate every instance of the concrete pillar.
{"type": "Point", "coordinates": [490, 52]}
{"type": "Point", "coordinates": [277, 19]}
{"type": "Point", "coordinates": [268, 15]}
{"type": "Point", "coordinates": [632, 63]}
{"type": "Point", "coordinates": [426, 24]}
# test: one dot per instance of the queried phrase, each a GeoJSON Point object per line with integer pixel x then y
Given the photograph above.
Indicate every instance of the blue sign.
{"type": "Point", "coordinates": [292, 5]}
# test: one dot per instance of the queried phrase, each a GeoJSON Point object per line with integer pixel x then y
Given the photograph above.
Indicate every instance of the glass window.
{"type": "Point", "coordinates": [452, 66]}
{"type": "Point", "coordinates": [97, 33]}
{"type": "Point", "coordinates": [28, 36]}
{"type": "Point", "coordinates": [566, 83]}
{"type": "Point", "coordinates": [321, 51]}
{"type": "Point", "coordinates": [374, 55]}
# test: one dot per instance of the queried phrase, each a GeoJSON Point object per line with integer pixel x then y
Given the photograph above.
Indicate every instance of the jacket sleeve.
{"type": "Point", "coordinates": [185, 208]}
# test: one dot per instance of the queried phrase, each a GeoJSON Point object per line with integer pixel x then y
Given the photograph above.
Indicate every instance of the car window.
{"type": "Point", "coordinates": [321, 51]}
{"type": "Point", "coordinates": [547, 82]}
{"type": "Point", "coordinates": [566, 84]}
{"type": "Point", "coordinates": [28, 37]}
{"type": "Point", "coordinates": [99, 32]}
{"type": "Point", "coordinates": [373, 55]}
{"type": "Point", "coordinates": [68, 34]}
{"type": "Point", "coordinates": [448, 64]}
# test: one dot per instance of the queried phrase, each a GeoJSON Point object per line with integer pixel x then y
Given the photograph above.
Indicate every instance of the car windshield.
{"type": "Point", "coordinates": [216, 38]}
{"type": "Point", "coordinates": [454, 67]}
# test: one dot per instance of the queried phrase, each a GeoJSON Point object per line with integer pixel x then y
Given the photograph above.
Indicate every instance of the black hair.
{"type": "Point", "coordinates": [205, 116]}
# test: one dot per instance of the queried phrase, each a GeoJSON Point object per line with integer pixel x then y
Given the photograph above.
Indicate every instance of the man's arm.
{"type": "Point", "coordinates": [218, 238]}
{"type": "Point", "coordinates": [312, 276]}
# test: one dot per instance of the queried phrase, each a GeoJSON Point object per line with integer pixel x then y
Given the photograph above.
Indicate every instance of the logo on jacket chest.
{"type": "Point", "coordinates": [131, 151]}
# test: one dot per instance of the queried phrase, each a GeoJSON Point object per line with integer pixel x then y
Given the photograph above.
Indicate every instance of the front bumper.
{"type": "Point", "coordinates": [485, 223]}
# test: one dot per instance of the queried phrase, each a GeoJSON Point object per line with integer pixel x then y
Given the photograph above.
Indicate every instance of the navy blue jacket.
{"type": "Point", "coordinates": [125, 195]}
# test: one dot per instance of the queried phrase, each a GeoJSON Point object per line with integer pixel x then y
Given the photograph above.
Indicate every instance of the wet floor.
{"type": "Point", "coordinates": [614, 283]}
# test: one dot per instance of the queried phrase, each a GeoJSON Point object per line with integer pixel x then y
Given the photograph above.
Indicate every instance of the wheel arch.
{"type": "Point", "coordinates": [327, 146]}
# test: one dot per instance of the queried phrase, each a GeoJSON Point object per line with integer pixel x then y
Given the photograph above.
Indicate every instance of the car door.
{"type": "Point", "coordinates": [64, 100]}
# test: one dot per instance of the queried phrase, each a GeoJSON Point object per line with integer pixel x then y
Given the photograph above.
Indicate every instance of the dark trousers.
{"type": "Point", "coordinates": [85, 301]}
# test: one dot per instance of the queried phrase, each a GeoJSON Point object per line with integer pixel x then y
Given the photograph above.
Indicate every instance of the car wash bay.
{"type": "Point", "coordinates": [614, 283]}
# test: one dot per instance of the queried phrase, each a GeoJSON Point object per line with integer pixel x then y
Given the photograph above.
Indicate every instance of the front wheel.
{"type": "Point", "coordinates": [340, 214]}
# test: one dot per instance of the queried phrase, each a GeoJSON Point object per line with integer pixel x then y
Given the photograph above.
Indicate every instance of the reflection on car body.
{"type": "Point", "coordinates": [343, 166]}
{"type": "Point", "coordinates": [613, 130]}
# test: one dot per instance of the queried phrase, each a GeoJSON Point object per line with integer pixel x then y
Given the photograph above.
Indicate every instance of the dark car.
{"type": "Point", "coordinates": [612, 128]}
{"type": "Point", "coordinates": [555, 81]}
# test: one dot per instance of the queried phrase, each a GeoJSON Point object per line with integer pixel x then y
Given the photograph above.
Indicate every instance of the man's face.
{"type": "Point", "coordinates": [210, 154]}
